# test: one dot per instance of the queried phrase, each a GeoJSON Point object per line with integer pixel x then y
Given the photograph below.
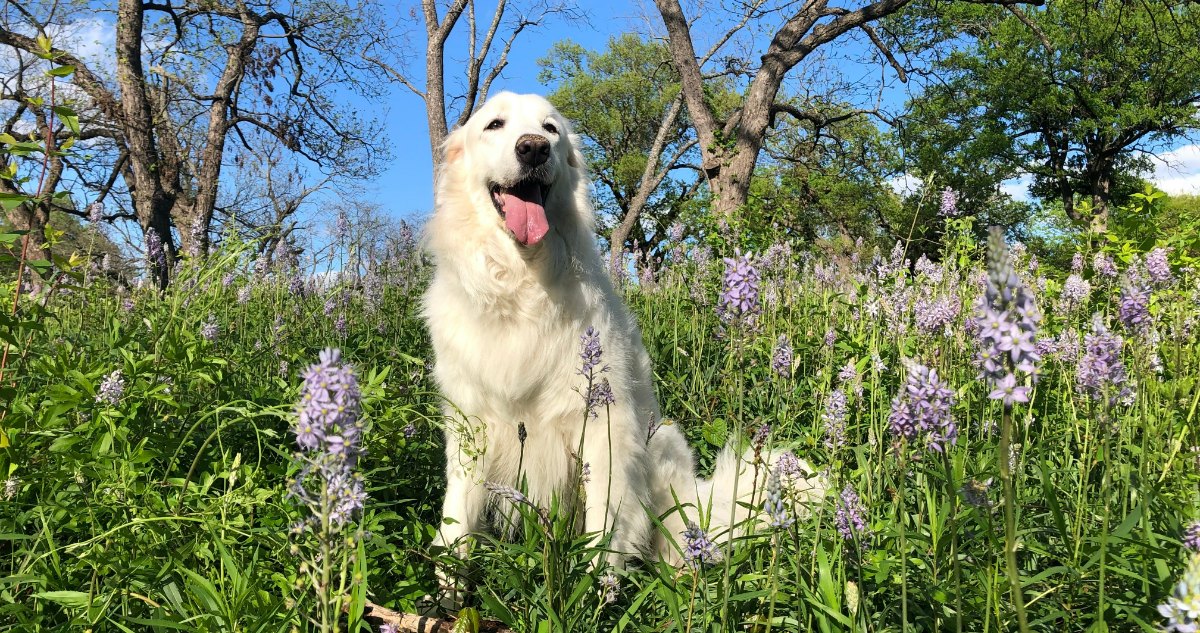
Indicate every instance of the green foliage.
{"type": "Point", "coordinates": [824, 181]}
{"type": "Point", "coordinates": [167, 509]}
{"type": "Point", "coordinates": [1069, 100]}
{"type": "Point", "coordinates": [617, 99]}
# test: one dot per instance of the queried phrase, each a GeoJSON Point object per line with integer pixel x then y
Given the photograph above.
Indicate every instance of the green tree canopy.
{"type": "Point", "coordinates": [619, 100]}
{"type": "Point", "coordinates": [1072, 93]}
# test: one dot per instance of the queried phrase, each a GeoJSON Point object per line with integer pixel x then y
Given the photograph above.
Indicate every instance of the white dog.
{"type": "Point", "coordinates": [518, 280]}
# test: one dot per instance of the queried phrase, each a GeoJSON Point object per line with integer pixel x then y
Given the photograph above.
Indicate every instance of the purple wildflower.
{"type": "Point", "coordinates": [1009, 392]}
{"type": "Point", "coordinates": [1067, 345]}
{"type": "Point", "coordinates": [328, 430]}
{"type": "Point", "coordinates": [851, 515]}
{"type": "Point", "coordinates": [329, 398]}
{"type": "Point", "coordinates": [339, 324]}
{"type": "Point", "coordinates": [409, 430]}
{"type": "Point", "coordinates": [95, 212]}
{"type": "Point", "coordinates": [342, 226]}
{"type": "Point", "coordinates": [830, 337]}
{"type": "Point", "coordinates": [600, 395]}
{"type": "Point", "coordinates": [646, 275]}
{"type": "Point", "coordinates": [931, 271]}
{"type": "Point", "coordinates": [373, 290]}
{"type": "Point", "coordinates": [1134, 309]}
{"type": "Point", "coordinates": [1008, 320]}
{"type": "Point", "coordinates": [1158, 267]}
{"type": "Point", "coordinates": [848, 373]}
{"type": "Point", "coordinates": [760, 437]}
{"type": "Point", "coordinates": [590, 353]}
{"type": "Point", "coordinates": [834, 418]}
{"type": "Point", "coordinates": [924, 408]}
{"type": "Point", "coordinates": [155, 254]}
{"type": "Point", "coordinates": [1104, 266]}
{"type": "Point", "coordinates": [1076, 291]}
{"type": "Point", "coordinates": [781, 360]}
{"type": "Point", "coordinates": [296, 284]}
{"type": "Point", "coordinates": [1077, 263]}
{"type": "Point", "coordinates": [1191, 536]}
{"type": "Point", "coordinates": [111, 388]}
{"type": "Point", "coordinates": [675, 233]}
{"type": "Point", "coordinates": [209, 329]}
{"type": "Point", "coordinates": [739, 298]}
{"type": "Point", "coordinates": [788, 465]}
{"type": "Point", "coordinates": [1182, 608]}
{"type": "Point", "coordinates": [777, 256]}
{"type": "Point", "coordinates": [949, 206]}
{"type": "Point", "coordinates": [1100, 372]}
{"type": "Point", "coordinates": [774, 506]}
{"type": "Point", "coordinates": [196, 237]}
{"type": "Point", "coordinates": [244, 294]}
{"type": "Point", "coordinates": [702, 256]}
{"type": "Point", "coordinates": [877, 364]}
{"type": "Point", "coordinates": [609, 585]}
{"type": "Point", "coordinates": [937, 315]}
{"type": "Point", "coordinates": [699, 551]}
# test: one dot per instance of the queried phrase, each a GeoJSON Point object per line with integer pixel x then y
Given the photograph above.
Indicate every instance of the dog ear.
{"type": "Point", "coordinates": [575, 157]}
{"type": "Point", "coordinates": [452, 148]}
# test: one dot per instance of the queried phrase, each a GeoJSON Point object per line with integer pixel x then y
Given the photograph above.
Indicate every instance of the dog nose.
{"type": "Point", "coordinates": [533, 150]}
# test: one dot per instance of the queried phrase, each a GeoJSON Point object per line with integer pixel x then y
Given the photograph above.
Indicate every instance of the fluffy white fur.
{"type": "Point", "coordinates": [506, 321]}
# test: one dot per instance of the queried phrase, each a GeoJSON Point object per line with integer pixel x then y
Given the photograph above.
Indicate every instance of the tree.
{"type": "Point", "coordinates": [730, 145]}
{"type": "Point", "coordinates": [1074, 93]}
{"type": "Point", "coordinates": [205, 72]}
{"type": "Point", "coordinates": [825, 181]}
{"type": "Point", "coordinates": [483, 63]}
{"type": "Point", "coordinates": [625, 103]}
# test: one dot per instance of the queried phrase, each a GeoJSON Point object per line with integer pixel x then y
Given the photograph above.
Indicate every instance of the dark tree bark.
{"type": "Point", "coordinates": [730, 148]}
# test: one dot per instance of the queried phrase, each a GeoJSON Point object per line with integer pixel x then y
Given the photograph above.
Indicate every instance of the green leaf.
{"type": "Point", "coordinates": [11, 201]}
{"type": "Point", "coordinates": [68, 117]}
{"type": "Point", "coordinates": [61, 71]}
{"type": "Point", "coordinates": [73, 599]}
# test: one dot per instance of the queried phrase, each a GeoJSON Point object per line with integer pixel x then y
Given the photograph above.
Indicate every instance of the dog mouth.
{"type": "Point", "coordinates": [523, 208]}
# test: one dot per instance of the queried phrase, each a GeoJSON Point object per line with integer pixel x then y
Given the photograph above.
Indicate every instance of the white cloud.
{"type": "Point", "coordinates": [905, 184]}
{"type": "Point", "coordinates": [92, 40]}
{"type": "Point", "coordinates": [1178, 171]}
{"type": "Point", "coordinates": [1017, 188]}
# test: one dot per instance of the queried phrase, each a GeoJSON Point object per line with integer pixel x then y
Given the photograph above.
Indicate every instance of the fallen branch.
{"type": "Point", "coordinates": [412, 623]}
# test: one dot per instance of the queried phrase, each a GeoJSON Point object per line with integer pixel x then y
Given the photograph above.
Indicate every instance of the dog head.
{"type": "Point", "coordinates": [518, 152]}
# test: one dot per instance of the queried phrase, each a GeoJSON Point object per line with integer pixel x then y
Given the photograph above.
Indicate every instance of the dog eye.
{"type": "Point", "coordinates": [495, 124]}
{"type": "Point", "coordinates": [549, 127]}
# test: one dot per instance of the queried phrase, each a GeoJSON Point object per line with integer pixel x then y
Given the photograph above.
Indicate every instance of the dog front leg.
{"type": "Point", "coordinates": [462, 514]}
{"type": "Point", "coordinates": [613, 503]}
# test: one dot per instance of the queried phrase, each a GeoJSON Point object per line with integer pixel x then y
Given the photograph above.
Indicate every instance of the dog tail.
{"type": "Point", "coordinates": [726, 502]}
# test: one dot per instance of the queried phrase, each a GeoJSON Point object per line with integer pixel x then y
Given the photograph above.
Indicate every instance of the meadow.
{"type": "Point", "coordinates": [154, 481]}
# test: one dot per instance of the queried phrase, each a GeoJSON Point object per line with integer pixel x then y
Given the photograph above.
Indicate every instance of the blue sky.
{"type": "Point", "coordinates": [404, 189]}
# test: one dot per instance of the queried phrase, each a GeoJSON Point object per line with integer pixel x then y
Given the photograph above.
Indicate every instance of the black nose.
{"type": "Point", "coordinates": [533, 150]}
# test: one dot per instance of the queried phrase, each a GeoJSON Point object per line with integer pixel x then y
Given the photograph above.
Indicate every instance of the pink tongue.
{"type": "Point", "coordinates": [524, 213]}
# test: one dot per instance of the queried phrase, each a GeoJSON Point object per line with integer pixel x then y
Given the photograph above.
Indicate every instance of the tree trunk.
{"type": "Point", "coordinates": [1101, 200]}
{"type": "Point", "coordinates": [651, 178]}
{"type": "Point", "coordinates": [150, 202]}
{"type": "Point", "coordinates": [194, 225]}
{"type": "Point", "coordinates": [730, 150]}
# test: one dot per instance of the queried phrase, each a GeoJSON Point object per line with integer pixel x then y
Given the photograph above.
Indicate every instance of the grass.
{"type": "Point", "coordinates": [168, 510]}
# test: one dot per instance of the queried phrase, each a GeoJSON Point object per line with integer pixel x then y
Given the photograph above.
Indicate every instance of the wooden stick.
{"type": "Point", "coordinates": [412, 623]}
